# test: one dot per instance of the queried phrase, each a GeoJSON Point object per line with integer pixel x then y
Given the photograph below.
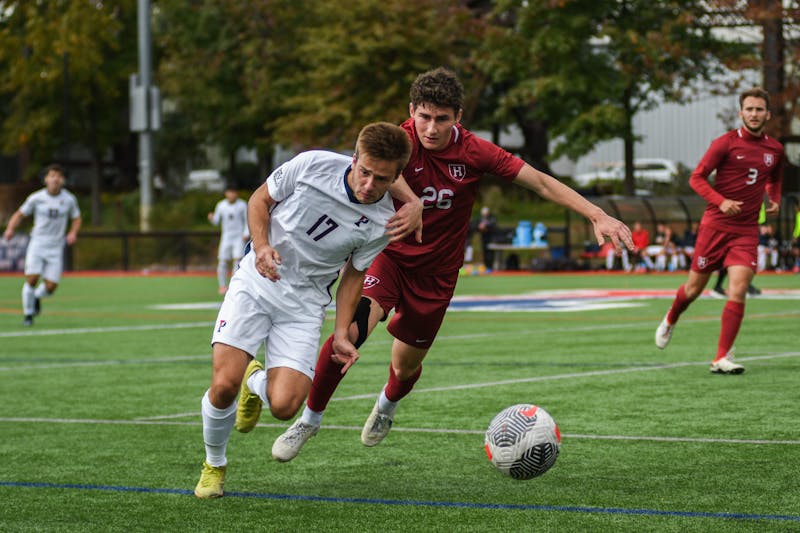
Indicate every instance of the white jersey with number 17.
{"type": "Point", "coordinates": [317, 225]}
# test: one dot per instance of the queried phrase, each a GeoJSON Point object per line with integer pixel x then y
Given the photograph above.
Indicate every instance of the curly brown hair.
{"type": "Point", "coordinates": [440, 87]}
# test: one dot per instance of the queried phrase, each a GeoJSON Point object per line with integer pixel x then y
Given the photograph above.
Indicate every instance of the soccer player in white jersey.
{"type": "Point", "coordinates": [318, 217]}
{"type": "Point", "coordinates": [230, 214]}
{"type": "Point", "coordinates": [52, 208]}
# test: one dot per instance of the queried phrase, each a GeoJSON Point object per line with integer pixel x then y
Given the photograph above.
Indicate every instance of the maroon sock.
{"type": "Point", "coordinates": [327, 376]}
{"type": "Point", "coordinates": [732, 315]}
{"type": "Point", "coordinates": [396, 390]}
{"type": "Point", "coordinates": [679, 305]}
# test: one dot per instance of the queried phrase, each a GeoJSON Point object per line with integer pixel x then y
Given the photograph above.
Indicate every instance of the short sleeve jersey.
{"type": "Point", "coordinates": [232, 218]}
{"type": "Point", "coordinates": [51, 215]}
{"type": "Point", "coordinates": [746, 166]}
{"type": "Point", "coordinates": [447, 183]}
{"type": "Point", "coordinates": [317, 223]}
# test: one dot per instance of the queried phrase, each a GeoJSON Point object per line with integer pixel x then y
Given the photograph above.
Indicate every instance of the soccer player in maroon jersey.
{"type": "Point", "coordinates": [748, 163]}
{"type": "Point", "coordinates": [418, 279]}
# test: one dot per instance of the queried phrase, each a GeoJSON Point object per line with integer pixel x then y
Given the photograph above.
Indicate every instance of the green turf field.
{"type": "Point", "coordinates": [101, 429]}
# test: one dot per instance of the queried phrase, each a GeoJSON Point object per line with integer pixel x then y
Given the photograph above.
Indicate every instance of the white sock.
{"type": "Point", "coordinates": [217, 427]}
{"type": "Point", "coordinates": [311, 417]}
{"type": "Point", "coordinates": [385, 405]}
{"type": "Point", "coordinates": [41, 291]}
{"type": "Point", "coordinates": [257, 383]}
{"type": "Point", "coordinates": [27, 299]}
{"type": "Point", "coordinates": [222, 273]}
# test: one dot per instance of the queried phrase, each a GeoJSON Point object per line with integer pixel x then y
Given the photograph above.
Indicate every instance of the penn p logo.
{"type": "Point", "coordinates": [222, 324]}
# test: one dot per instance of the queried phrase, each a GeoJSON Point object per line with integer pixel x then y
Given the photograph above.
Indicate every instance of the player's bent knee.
{"type": "Point", "coordinates": [222, 394]}
{"type": "Point", "coordinates": [286, 409]}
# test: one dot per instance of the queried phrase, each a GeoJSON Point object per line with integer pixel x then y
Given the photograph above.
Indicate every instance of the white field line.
{"type": "Point", "coordinates": [546, 331]}
{"type": "Point", "coordinates": [571, 375]}
{"type": "Point", "coordinates": [527, 380]}
{"type": "Point", "coordinates": [18, 420]}
{"type": "Point", "coordinates": [107, 329]}
{"type": "Point", "coordinates": [161, 420]}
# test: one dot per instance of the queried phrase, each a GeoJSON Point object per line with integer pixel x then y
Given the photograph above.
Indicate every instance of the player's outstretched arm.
{"type": "Point", "coordinates": [553, 190]}
{"type": "Point", "coordinates": [347, 296]}
{"type": "Point", "coordinates": [13, 222]}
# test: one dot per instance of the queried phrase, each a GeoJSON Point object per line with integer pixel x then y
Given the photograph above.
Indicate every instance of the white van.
{"type": "Point", "coordinates": [205, 180]}
{"type": "Point", "coordinates": [650, 169]}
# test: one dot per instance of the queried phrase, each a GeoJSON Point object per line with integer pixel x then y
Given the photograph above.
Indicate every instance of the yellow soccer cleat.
{"type": "Point", "coordinates": [212, 478]}
{"type": "Point", "coordinates": [248, 409]}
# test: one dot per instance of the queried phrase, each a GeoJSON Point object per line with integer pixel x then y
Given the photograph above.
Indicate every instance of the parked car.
{"type": "Point", "coordinates": [648, 169]}
{"type": "Point", "coordinates": [204, 180]}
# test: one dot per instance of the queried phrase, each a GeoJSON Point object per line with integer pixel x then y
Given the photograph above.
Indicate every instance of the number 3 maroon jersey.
{"type": "Point", "coordinates": [447, 182]}
{"type": "Point", "coordinates": [746, 166]}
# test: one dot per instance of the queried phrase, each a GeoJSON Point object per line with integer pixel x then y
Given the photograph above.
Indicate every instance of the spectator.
{"type": "Point", "coordinates": [767, 248]}
{"type": "Point", "coordinates": [641, 240]}
{"type": "Point", "coordinates": [486, 225]}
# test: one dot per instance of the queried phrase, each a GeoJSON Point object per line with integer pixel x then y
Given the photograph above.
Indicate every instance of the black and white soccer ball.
{"type": "Point", "coordinates": [523, 441]}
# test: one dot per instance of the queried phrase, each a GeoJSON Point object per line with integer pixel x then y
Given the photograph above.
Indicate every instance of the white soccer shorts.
{"type": "Point", "coordinates": [44, 261]}
{"type": "Point", "coordinates": [249, 317]}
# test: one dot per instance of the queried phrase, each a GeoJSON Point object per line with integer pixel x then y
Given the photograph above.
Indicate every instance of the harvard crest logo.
{"type": "Point", "coordinates": [370, 281]}
{"type": "Point", "coordinates": [769, 159]}
{"type": "Point", "coordinates": [458, 171]}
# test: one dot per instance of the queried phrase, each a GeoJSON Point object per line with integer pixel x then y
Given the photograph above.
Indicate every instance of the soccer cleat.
{"type": "Point", "coordinates": [248, 409]}
{"type": "Point", "coordinates": [376, 427]}
{"type": "Point", "coordinates": [752, 290]}
{"type": "Point", "coordinates": [718, 292]}
{"type": "Point", "coordinates": [37, 306]}
{"type": "Point", "coordinates": [664, 333]}
{"type": "Point", "coordinates": [726, 365]}
{"type": "Point", "coordinates": [287, 446]}
{"type": "Point", "coordinates": [28, 320]}
{"type": "Point", "coordinates": [212, 479]}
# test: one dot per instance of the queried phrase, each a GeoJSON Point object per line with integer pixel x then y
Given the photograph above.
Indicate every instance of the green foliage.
{"type": "Point", "coordinates": [84, 49]}
{"type": "Point", "coordinates": [359, 57]}
{"type": "Point", "coordinates": [586, 67]}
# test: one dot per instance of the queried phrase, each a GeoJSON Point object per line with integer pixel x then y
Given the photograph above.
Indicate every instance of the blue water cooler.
{"type": "Point", "coordinates": [524, 235]}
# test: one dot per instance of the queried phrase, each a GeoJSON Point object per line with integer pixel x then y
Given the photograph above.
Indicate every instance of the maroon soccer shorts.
{"type": "Point", "coordinates": [420, 301]}
{"type": "Point", "coordinates": [715, 249]}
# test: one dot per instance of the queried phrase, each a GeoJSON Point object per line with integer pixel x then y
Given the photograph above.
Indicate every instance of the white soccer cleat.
{"type": "Point", "coordinates": [664, 333]}
{"type": "Point", "coordinates": [726, 365]}
{"type": "Point", "coordinates": [287, 446]}
{"type": "Point", "coordinates": [376, 427]}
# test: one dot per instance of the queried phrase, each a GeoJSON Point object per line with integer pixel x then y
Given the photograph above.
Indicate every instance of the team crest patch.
{"type": "Point", "coordinates": [370, 281]}
{"type": "Point", "coordinates": [458, 171]}
{"type": "Point", "coordinates": [701, 262]}
{"type": "Point", "coordinates": [769, 159]}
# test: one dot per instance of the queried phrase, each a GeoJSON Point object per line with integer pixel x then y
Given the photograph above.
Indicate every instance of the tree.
{"type": "Point", "coordinates": [201, 74]}
{"type": "Point", "coordinates": [64, 70]}
{"type": "Point", "coordinates": [357, 60]}
{"type": "Point", "coordinates": [586, 67]}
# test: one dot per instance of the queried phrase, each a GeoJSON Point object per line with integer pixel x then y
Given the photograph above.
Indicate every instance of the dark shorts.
{"type": "Point", "coordinates": [420, 301]}
{"type": "Point", "coordinates": [715, 249]}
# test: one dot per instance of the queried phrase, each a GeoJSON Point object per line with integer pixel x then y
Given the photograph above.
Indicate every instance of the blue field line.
{"type": "Point", "coordinates": [413, 503]}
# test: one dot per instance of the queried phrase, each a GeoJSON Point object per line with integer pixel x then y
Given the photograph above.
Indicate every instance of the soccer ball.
{"type": "Point", "coordinates": [523, 441]}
